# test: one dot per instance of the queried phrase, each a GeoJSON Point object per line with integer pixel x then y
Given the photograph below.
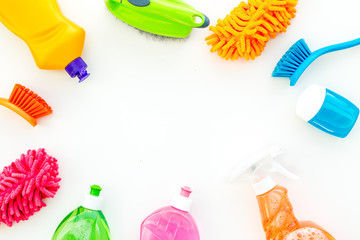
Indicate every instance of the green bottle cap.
{"type": "Point", "coordinates": [95, 190]}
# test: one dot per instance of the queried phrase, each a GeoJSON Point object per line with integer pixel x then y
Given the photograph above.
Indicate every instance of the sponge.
{"type": "Point", "coordinates": [245, 32]}
{"type": "Point", "coordinates": [25, 183]}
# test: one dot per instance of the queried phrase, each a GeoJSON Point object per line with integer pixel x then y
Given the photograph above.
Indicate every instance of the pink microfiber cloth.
{"type": "Point", "coordinates": [25, 183]}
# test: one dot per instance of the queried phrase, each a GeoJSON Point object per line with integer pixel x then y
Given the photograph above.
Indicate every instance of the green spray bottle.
{"type": "Point", "coordinates": [87, 222]}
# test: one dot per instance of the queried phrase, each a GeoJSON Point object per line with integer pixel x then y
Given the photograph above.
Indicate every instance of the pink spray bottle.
{"type": "Point", "coordinates": [173, 222]}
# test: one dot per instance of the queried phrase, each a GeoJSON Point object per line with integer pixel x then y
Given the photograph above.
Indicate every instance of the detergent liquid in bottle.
{"type": "Point", "coordinates": [87, 222]}
{"type": "Point", "coordinates": [55, 42]}
{"type": "Point", "coordinates": [173, 222]}
{"type": "Point", "coordinates": [278, 219]}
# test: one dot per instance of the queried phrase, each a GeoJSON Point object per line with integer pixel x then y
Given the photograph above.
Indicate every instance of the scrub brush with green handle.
{"type": "Point", "coordinates": [168, 18]}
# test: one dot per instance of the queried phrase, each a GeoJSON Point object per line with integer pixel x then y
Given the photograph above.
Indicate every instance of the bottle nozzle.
{"type": "Point", "coordinates": [182, 201]}
{"type": "Point", "coordinates": [95, 190]}
{"type": "Point", "coordinates": [93, 200]}
{"type": "Point", "coordinates": [277, 167]}
{"type": "Point", "coordinates": [77, 68]}
{"type": "Point", "coordinates": [185, 191]}
{"type": "Point", "coordinates": [260, 165]}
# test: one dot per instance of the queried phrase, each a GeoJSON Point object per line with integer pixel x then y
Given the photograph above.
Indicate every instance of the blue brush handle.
{"type": "Point", "coordinates": [337, 47]}
{"type": "Point", "coordinates": [318, 53]}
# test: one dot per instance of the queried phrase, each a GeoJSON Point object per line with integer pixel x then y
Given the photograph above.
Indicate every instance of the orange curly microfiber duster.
{"type": "Point", "coordinates": [245, 32]}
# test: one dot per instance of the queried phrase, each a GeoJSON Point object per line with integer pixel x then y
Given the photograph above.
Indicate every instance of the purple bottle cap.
{"type": "Point", "coordinates": [77, 68]}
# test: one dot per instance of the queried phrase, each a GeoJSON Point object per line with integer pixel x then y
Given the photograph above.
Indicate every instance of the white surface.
{"type": "Point", "coordinates": [310, 102]}
{"type": "Point", "coordinates": [156, 115]}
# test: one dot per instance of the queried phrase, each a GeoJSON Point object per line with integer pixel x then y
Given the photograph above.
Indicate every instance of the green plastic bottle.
{"type": "Point", "coordinates": [87, 222]}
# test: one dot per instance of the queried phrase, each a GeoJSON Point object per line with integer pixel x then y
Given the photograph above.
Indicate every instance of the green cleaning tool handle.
{"type": "Point", "coordinates": [337, 47]}
{"type": "Point", "coordinates": [178, 13]}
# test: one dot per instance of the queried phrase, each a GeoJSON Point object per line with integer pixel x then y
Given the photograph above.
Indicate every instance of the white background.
{"type": "Point", "coordinates": [158, 114]}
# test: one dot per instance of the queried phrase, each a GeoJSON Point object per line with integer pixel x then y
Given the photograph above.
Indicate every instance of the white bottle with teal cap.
{"type": "Point", "coordinates": [87, 222]}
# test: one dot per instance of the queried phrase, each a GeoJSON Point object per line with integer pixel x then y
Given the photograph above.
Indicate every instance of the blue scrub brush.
{"type": "Point", "coordinates": [299, 57]}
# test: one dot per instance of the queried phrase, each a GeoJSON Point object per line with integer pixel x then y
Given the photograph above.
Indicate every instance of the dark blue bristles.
{"type": "Point", "coordinates": [292, 59]}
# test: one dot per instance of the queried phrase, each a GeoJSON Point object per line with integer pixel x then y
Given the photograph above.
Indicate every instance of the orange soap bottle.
{"type": "Point", "coordinates": [55, 42]}
{"type": "Point", "coordinates": [278, 219]}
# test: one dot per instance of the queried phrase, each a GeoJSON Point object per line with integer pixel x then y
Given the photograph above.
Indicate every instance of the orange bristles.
{"type": "Point", "coordinates": [27, 104]}
{"type": "Point", "coordinates": [30, 102]}
{"type": "Point", "coordinates": [245, 32]}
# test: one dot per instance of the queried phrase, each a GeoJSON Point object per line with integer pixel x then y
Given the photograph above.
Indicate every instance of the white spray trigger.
{"type": "Point", "coordinates": [260, 165]}
{"type": "Point", "coordinates": [277, 167]}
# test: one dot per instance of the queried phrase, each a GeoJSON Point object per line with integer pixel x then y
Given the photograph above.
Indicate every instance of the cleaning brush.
{"type": "Point", "coordinates": [299, 57]}
{"type": "Point", "coordinates": [27, 104]}
{"type": "Point", "coordinates": [166, 18]}
{"type": "Point", "coordinates": [25, 183]}
{"type": "Point", "coordinates": [245, 32]}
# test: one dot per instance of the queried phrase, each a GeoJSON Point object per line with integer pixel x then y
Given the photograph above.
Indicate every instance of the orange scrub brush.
{"type": "Point", "coordinates": [27, 104]}
{"type": "Point", "coordinates": [245, 32]}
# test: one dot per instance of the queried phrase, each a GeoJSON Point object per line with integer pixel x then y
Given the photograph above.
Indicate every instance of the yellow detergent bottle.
{"type": "Point", "coordinates": [55, 42]}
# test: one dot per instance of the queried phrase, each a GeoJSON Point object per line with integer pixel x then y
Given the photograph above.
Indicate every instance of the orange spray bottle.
{"type": "Point", "coordinates": [278, 219]}
{"type": "Point", "coordinates": [55, 42]}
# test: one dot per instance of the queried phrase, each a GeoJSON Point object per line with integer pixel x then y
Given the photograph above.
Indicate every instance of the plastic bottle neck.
{"type": "Point", "coordinates": [181, 203]}
{"type": "Point", "coordinates": [277, 213]}
{"type": "Point", "coordinates": [263, 186]}
{"type": "Point", "coordinates": [92, 202]}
